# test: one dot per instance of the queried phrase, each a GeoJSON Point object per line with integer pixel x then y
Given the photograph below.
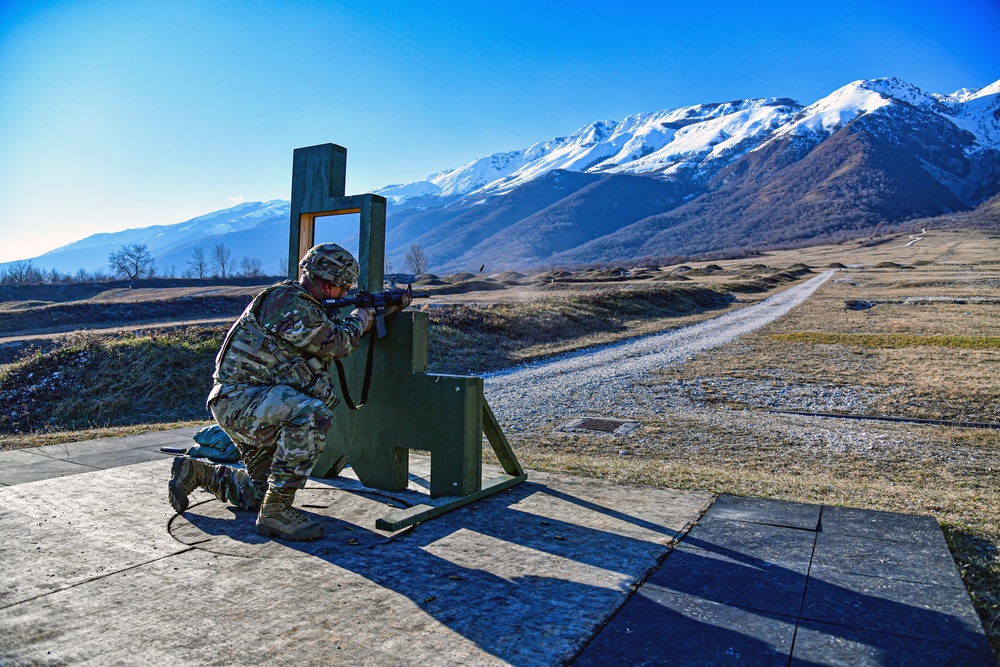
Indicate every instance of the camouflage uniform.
{"type": "Point", "coordinates": [272, 392]}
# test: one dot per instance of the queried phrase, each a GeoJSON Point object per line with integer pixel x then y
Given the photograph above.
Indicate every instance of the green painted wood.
{"type": "Point", "coordinates": [423, 511]}
{"type": "Point", "coordinates": [497, 440]}
{"type": "Point", "coordinates": [318, 173]}
{"type": "Point", "coordinates": [408, 409]}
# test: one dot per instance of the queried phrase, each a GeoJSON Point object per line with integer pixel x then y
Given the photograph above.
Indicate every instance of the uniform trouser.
{"type": "Point", "coordinates": [280, 433]}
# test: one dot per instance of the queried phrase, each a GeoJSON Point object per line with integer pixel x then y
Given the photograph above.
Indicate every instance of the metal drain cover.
{"type": "Point", "coordinates": [600, 425]}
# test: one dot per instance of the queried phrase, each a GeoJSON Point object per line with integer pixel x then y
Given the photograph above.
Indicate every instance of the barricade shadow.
{"type": "Point", "coordinates": [532, 589]}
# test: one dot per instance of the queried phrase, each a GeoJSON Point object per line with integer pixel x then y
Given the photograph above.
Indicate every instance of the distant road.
{"type": "Point", "coordinates": [599, 380]}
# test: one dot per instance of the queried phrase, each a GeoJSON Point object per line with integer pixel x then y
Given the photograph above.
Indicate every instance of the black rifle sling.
{"type": "Point", "coordinates": [367, 382]}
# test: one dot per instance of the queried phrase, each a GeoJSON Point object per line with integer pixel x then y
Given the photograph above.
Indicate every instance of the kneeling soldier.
{"type": "Point", "coordinates": [273, 395]}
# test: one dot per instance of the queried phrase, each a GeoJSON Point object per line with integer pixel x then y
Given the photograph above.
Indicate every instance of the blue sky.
{"type": "Point", "coordinates": [130, 113]}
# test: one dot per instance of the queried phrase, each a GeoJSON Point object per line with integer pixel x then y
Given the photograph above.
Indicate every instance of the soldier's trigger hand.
{"type": "Point", "coordinates": [366, 315]}
{"type": "Point", "coordinates": [396, 306]}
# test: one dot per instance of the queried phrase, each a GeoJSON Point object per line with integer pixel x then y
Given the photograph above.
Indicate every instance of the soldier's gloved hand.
{"type": "Point", "coordinates": [366, 315]}
{"type": "Point", "coordinates": [404, 301]}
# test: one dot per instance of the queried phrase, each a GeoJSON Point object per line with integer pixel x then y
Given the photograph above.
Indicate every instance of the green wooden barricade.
{"type": "Point", "coordinates": [407, 408]}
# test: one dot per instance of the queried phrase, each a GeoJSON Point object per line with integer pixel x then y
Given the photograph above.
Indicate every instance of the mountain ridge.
{"type": "Point", "coordinates": [716, 177]}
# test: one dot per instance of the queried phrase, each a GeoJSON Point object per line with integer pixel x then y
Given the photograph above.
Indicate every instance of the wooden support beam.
{"type": "Point", "coordinates": [422, 512]}
{"type": "Point", "coordinates": [497, 440]}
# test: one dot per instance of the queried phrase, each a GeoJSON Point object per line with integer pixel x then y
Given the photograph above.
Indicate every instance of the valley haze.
{"type": "Point", "coordinates": [720, 178]}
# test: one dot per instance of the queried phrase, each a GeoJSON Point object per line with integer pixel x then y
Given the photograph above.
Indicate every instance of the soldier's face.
{"type": "Point", "coordinates": [321, 289]}
{"type": "Point", "coordinates": [334, 291]}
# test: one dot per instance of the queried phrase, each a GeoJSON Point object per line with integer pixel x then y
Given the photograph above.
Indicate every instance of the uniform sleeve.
{"type": "Point", "coordinates": [301, 322]}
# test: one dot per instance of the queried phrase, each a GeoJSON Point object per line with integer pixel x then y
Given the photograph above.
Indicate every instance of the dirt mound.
{"type": "Point", "coordinates": [510, 277]}
{"type": "Point", "coordinates": [704, 271]}
{"type": "Point", "coordinates": [117, 379]}
{"type": "Point", "coordinates": [472, 286]}
{"type": "Point", "coordinates": [549, 276]}
{"type": "Point", "coordinates": [80, 314]}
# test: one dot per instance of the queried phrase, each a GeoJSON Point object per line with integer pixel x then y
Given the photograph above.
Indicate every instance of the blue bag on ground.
{"type": "Point", "coordinates": [214, 445]}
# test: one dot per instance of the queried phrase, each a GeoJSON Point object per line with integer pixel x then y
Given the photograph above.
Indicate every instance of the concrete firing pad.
{"type": "Point", "coordinates": [22, 465]}
{"type": "Point", "coordinates": [98, 570]}
{"type": "Point", "coordinates": [659, 627]}
{"type": "Point", "coordinates": [822, 644]}
{"type": "Point", "coordinates": [803, 516]}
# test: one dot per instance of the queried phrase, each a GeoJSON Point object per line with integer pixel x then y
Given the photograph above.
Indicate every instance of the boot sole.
{"type": "Point", "coordinates": [178, 500]}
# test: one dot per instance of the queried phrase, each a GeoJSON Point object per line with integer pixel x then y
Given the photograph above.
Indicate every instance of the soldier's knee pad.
{"type": "Point", "coordinates": [313, 413]}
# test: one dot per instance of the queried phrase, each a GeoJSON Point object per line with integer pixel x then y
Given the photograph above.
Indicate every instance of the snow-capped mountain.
{"type": "Point", "coordinates": [718, 177]}
{"type": "Point", "coordinates": [704, 137]}
{"type": "Point", "coordinates": [877, 151]}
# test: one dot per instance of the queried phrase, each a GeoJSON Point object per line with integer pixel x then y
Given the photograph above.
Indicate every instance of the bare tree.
{"type": "Point", "coordinates": [251, 267]}
{"type": "Point", "coordinates": [283, 266]}
{"type": "Point", "coordinates": [222, 260]}
{"type": "Point", "coordinates": [21, 273]}
{"type": "Point", "coordinates": [198, 264]}
{"type": "Point", "coordinates": [416, 259]}
{"type": "Point", "coordinates": [82, 276]}
{"type": "Point", "coordinates": [132, 261]}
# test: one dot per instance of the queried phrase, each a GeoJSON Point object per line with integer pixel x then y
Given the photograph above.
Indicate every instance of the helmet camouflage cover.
{"type": "Point", "coordinates": [330, 262]}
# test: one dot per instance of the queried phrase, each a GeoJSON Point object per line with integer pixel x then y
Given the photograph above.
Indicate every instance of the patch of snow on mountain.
{"type": "Point", "coordinates": [991, 90]}
{"type": "Point", "coordinates": [893, 88]}
{"type": "Point", "coordinates": [963, 95]}
{"type": "Point", "coordinates": [728, 135]}
{"type": "Point", "coordinates": [977, 111]}
{"type": "Point", "coordinates": [400, 192]}
{"type": "Point", "coordinates": [269, 208]}
{"type": "Point", "coordinates": [837, 109]}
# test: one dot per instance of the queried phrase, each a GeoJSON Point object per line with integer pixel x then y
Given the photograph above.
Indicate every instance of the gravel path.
{"type": "Point", "coordinates": [589, 381]}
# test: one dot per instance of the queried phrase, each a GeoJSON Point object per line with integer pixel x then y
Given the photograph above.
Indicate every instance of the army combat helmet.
{"type": "Point", "coordinates": [330, 262]}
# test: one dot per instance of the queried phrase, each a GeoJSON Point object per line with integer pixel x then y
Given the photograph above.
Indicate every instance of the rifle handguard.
{"type": "Point", "coordinates": [383, 303]}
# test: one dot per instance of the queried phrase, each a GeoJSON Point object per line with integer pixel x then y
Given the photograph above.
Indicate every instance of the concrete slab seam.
{"type": "Point", "coordinates": [26, 450]}
{"type": "Point", "coordinates": [86, 465]}
{"type": "Point", "coordinates": [880, 631]}
{"type": "Point", "coordinates": [97, 578]}
{"type": "Point", "coordinates": [802, 602]}
{"type": "Point", "coordinates": [640, 582]}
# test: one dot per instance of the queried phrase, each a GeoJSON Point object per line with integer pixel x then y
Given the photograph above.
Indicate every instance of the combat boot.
{"type": "Point", "coordinates": [277, 518]}
{"type": "Point", "coordinates": [186, 475]}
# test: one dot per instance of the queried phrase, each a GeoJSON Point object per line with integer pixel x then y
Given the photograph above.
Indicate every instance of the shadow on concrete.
{"type": "Point", "coordinates": [709, 604]}
{"type": "Point", "coordinates": [712, 600]}
{"type": "Point", "coordinates": [456, 574]}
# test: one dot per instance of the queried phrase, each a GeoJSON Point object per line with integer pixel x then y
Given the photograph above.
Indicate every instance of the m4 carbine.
{"type": "Point", "coordinates": [377, 300]}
